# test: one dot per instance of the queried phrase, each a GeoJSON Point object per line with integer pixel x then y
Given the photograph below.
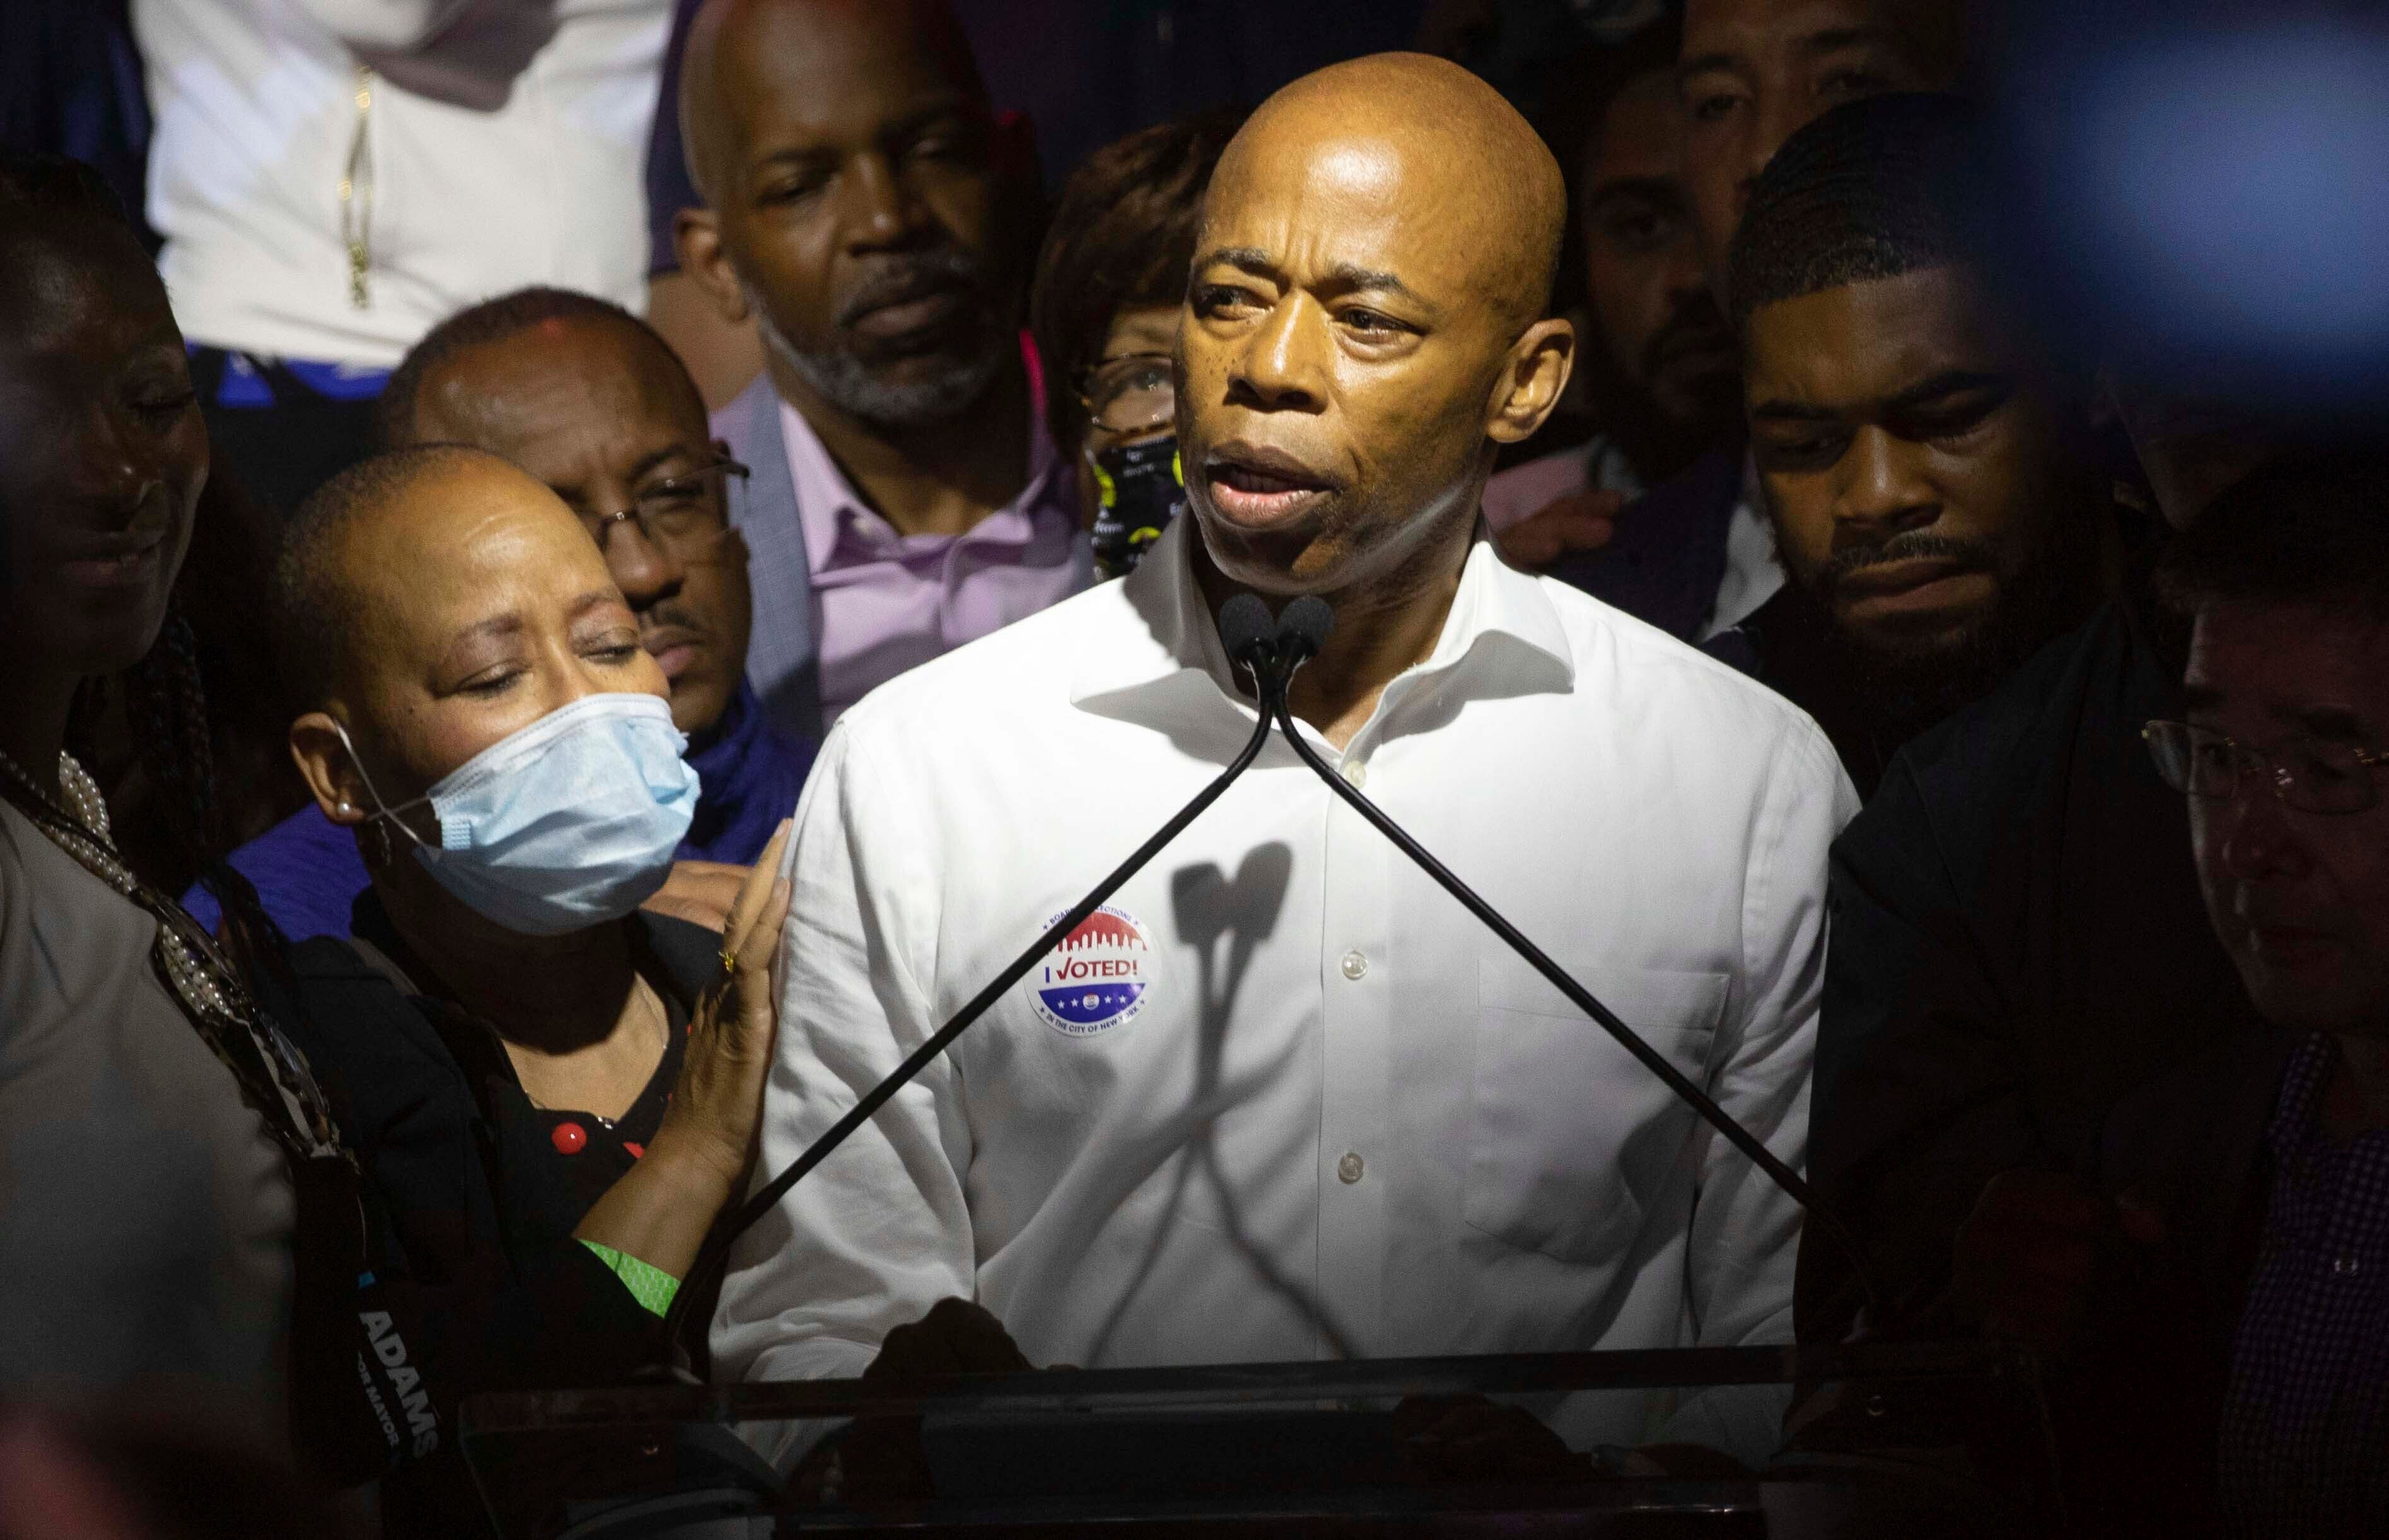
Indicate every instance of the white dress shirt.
{"type": "Point", "coordinates": [1302, 1105]}
{"type": "Point", "coordinates": [525, 168]}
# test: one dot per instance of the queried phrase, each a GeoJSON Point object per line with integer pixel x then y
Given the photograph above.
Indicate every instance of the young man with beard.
{"type": "Point", "coordinates": [1659, 363]}
{"type": "Point", "coordinates": [2018, 936]}
{"type": "Point", "coordinates": [1927, 477]}
{"type": "Point", "coordinates": [1694, 556]}
{"type": "Point", "coordinates": [865, 208]}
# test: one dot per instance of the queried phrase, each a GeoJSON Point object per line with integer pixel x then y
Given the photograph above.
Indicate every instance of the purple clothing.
{"type": "Point", "coordinates": [887, 602]}
{"type": "Point", "coordinates": [2305, 1445]}
{"type": "Point", "coordinates": [308, 872]}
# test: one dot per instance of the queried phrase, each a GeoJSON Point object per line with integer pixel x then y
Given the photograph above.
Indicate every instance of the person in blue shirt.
{"type": "Point", "coordinates": [588, 400]}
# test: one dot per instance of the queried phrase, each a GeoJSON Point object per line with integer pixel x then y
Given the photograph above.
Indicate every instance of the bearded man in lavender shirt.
{"type": "Point", "coordinates": [865, 207]}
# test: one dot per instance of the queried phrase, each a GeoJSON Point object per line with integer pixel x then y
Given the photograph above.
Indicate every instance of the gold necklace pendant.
{"type": "Point", "coordinates": [356, 198]}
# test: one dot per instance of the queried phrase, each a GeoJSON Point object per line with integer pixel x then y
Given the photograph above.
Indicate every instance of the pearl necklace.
{"type": "Point", "coordinates": [202, 981]}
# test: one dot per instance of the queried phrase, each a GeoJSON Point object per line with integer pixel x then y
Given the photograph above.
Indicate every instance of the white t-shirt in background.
{"type": "Point", "coordinates": [255, 102]}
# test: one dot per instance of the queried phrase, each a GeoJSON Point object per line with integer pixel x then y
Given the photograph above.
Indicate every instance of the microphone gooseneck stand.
{"type": "Point", "coordinates": [1300, 631]}
{"type": "Point", "coordinates": [1246, 631]}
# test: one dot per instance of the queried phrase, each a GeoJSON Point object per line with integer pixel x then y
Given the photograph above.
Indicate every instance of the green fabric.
{"type": "Point", "coordinates": [651, 1286]}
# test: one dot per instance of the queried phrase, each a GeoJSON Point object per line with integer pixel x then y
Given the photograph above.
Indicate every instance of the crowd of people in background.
{"type": "Point", "coordinates": [578, 575]}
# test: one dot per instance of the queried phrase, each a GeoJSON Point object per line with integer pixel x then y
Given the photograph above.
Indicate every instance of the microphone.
{"type": "Point", "coordinates": [1301, 632]}
{"type": "Point", "coordinates": [1251, 639]}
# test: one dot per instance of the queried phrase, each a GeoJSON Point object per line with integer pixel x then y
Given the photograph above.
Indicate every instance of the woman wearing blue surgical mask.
{"type": "Point", "coordinates": [554, 1091]}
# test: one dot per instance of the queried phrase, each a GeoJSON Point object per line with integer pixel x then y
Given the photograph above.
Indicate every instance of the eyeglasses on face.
{"type": "Point", "coordinates": [1130, 393]}
{"type": "Point", "coordinates": [676, 511]}
{"type": "Point", "coordinates": [2309, 774]}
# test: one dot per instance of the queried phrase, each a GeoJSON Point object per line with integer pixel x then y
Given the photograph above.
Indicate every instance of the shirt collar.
{"type": "Point", "coordinates": [828, 504]}
{"type": "Point", "coordinates": [1501, 619]}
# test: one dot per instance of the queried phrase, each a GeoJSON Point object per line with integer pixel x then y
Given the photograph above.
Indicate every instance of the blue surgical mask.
{"type": "Point", "coordinates": [568, 823]}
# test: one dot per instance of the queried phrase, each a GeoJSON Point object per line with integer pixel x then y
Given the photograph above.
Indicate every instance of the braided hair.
{"type": "Point", "coordinates": [166, 706]}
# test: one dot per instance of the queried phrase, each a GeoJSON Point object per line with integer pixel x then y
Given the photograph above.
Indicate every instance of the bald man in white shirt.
{"type": "Point", "coordinates": [1304, 1106]}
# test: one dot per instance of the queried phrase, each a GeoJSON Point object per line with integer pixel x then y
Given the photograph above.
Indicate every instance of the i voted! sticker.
{"type": "Point", "coordinates": [1096, 976]}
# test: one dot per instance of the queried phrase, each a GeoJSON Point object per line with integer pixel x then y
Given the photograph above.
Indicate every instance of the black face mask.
{"type": "Point", "coordinates": [1141, 492]}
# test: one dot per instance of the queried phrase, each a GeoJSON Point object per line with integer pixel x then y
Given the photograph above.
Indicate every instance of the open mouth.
{"type": "Point", "coordinates": [1263, 488]}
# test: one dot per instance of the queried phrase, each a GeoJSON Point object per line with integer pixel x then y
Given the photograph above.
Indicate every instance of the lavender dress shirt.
{"type": "Point", "coordinates": [844, 602]}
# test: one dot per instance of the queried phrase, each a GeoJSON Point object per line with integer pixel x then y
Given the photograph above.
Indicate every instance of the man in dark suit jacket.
{"type": "Point", "coordinates": [2212, 1286]}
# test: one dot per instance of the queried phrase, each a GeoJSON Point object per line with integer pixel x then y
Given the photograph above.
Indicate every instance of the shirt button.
{"type": "Point", "coordinates": [1355, 964]}
{"type": "Point", "coordinates": [2345, 1267]}
{"type": "Point", "coordinates": [1348, 1170]}
{"type": "Point", "coordinates": [1356, 774]}
{"type": "Point", "coordinates": [570, 1139]}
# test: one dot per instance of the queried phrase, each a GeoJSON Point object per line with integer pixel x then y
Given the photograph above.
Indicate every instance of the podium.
{"type": "Point", "coordinates": [1888, 1440]}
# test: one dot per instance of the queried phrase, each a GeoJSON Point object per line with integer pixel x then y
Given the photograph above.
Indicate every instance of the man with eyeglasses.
{"type": "Point", "coordinates": [2217, 1288]}
{"type": "Point", "coordinates": [588, 400]}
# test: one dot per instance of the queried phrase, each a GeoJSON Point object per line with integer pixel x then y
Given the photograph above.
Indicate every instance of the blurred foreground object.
{"type": "Point", "coordinates": [2203, 176]}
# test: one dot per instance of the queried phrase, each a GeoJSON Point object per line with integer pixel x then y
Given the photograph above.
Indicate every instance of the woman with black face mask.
{"type": "Point", "coordinates": [1104, 314]}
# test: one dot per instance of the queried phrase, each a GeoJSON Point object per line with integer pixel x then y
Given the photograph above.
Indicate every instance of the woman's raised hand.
{"type": "Point", "coordinates": [719, 1100]}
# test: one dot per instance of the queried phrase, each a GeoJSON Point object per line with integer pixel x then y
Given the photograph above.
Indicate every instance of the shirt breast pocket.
{"type": "Point", "coordinates": [1570, 1137]}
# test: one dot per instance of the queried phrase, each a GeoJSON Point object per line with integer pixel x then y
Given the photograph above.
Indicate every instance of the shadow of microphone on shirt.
{"type": "Point", "coordinates": [1271, 650]}
{"type": "Point", "coordinates": [1213, 916]}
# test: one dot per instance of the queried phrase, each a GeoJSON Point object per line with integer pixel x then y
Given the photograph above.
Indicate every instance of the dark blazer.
{"type": "Point", "coordinates": [2019, 942]}
{"type": "Point", "coordinates": [477, 1221]}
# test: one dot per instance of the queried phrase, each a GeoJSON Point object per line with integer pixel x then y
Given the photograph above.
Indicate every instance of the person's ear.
{"type": "Point", "coordinates": [329, 770]}
{"type": "Point", "coordinates": [705, 257]}
{"type": "Point", "coordinates": [1532, 377]}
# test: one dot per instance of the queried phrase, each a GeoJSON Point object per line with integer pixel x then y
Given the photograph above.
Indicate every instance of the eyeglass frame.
{"type": "Point", "coordinates": [2279, 777]}
{"type": "Point", "coordinates": [1087, 399]}
{"type": "Point", "coordinates": [602, 528]}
